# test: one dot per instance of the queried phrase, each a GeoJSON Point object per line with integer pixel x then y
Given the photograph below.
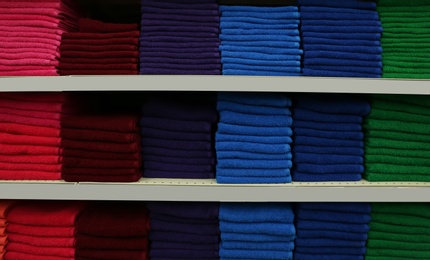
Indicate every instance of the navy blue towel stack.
{"type": "Point", "coordinates": [253, 138]}
{"type": "Point", "coordinates": [341, 38]}
{"type": "Point", "coordinates": [327, 231]}
{"type": "Point", "coordinates": [258, 40]}
{"type": "Point", "coordinates": [177, 138]}
{"type": "Point", "coordinates": [328, 138]}
{"type": "Point", "coordinates": [180, 37]}
{"type": "Point", "coordinates": [185, 230]}
{"type": "Point", "coordinates": [256, 231]}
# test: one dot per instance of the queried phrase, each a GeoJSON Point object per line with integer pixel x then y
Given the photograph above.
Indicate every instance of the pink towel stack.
{"type": "Point", "coordinates": [30, 35]}
{"type": "Point", "coordinates": [30, 137]}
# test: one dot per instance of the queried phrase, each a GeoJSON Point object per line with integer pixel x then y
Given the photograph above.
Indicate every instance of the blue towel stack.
{"type": "Point", "coordinates": [341, 38]}
{"type": "Point", "coordinates": [253, 138]}
{"type": "Point", "coordinates": [177, 137]}
{"type": "Point", "coordinates": [328, 138]}
{"type": "Point", "coordinates": [258, 40]}
{"type": "Point", "coordinates": [327, 231]}
{"type": "Point", "coordinates": [256, 231]}
{"type": "Point", "coordinates": [184, 230]}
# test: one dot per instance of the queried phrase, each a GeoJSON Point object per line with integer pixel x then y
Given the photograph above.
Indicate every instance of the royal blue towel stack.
{"type": "Point", "coordinates": [328, 138]}
{"type": "Point", "coordinates": [256, 231]}
{"type": "Point", "coordinates": [184, 231]}
{"type": "Point", "coordinates": [253, 138]}
{"type": "Point", "coordinates": [341, 38]}
{"type": "Point", "coordinates": [177, 138]}
{"type": "Point", "coordinates": [180, 37]}
{"type": "Point", "coordinates": [260, 40]}
{"type": "Point", "coordinates": [327, 231]}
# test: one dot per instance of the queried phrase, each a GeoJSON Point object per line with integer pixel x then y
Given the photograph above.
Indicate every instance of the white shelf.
{"type": "Point", "coordinates": [215, 83]}
{"type": "Point", "coordinates": [209, 190]}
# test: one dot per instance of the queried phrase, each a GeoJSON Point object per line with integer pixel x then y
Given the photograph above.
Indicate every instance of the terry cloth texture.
{"type": "Point", "coordinates": [100, 48]}
{"type": "Point", "coordinates": [113, 231]}
{"type": "Point", "coordinates": [341, 38]}
{"type": "Point", "coordinates": [5, 207]}
{"type": "Point", "coordinates": [399, 231]}
{"type": "Point", "coordinates": [30, 125]}
{"type": "Point", "coordinates": [256, 231]}
{"type": "Point", "coordinates": [328, 138]}
{"type": "Point", "coordinates": [184, 230]}
{"type": "Point", "coordinates": [177, 136]}
{"type": "Point", "coordinates": [52, 220]}
{"type": "Point", "coordinates": [101, 148]}
{"type": "Point", "coordinates": [397, 138]}
{"type": "Point", "coordinates": [405, 39]}
{"type": "Point", "coordinates": [180, 37]}
{"type": "Point", "coordinates": [30, 35]}
{"type": "Point", "coordinates": [253, 138]}
{"type": "Point", "coordinates": [338, 230]}
{"type": "Point", "coordinates": [260, 40]}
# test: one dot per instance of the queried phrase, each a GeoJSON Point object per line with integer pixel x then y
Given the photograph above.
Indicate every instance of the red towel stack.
{"type": "Point", "coordinates": [5, 206]}
{"type": "Point", "coordinates": [100, 48]}
{"type": "Point", "coordinates": [101, 148]}
{"type": "Point", "coordinates": [113, 231]}
{"type": "Point", "coordinates": [42, 230]}
{"type": "Point", "coordinates": [30, 135]}
{"type": "Point", "coordinates": [30, 34]}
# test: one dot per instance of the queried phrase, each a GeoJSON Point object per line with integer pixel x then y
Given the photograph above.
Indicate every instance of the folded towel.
{"type": "Point", "coordinates": [343, 28]}
{"type": "Point", "coordinates": [289, 71]}
{"type": "Point", "coordinates": [415, 209]}
{"type": "Point", "coordinates": [106, 254]}
{"type": "Point", "coordinates": [258, 20]}
{"type": "Point", "coordinates": [261, 238]}
{"type": "Point", "coordinates": [304, 256]}
{"type": "Point", "coordinates": [330, 168]}
{"type": "Point", "coordinates": [94, 163]}
{"type": "Point", "coordinates": [230, 49]}
{"type": "Point", "coordinates": [230, 24]}
{"type": "Point", "coordinates": [356, 207]}
{"type": "Point", "coordinates": [253, 130]}
{"type": "Point", "coordinates": [395, 229]}
{"type": "Point", "coordinates": [156, 235]}
{"type": "Point", "coordinates": [260, 9]}
{"type": "Point", "coordinates": [182, 245]}
{"type": "Point", "coordinates": [327, 126]}
{"type": "Point", "coordinates": [41, 231]}
{"type": "Point", "coordinates": [101, 146]}
{"type": "Point", "coordinates": [311, 177]}
{"type": "Point", "coordinates": [196, 228]}
{"type": "Point", "coordinates": [329, 150]}
{"type": "Point", "coordinates": [344, 217]}
{"type": "Point", "coordinates": [260, 175]}
{"type": "Point", "coordinates": [278, 246]}
{"type": "Point", "coordinates": [111, 243]}
{"type": "Point", "coordinates": [191, 210]}
{"type": "Point", "coordinates": [375, 253]}
{"type": "Point", "coordinates": [173, 144]}
{"type": "Point", "coordinates": [183, 254]}
{"type": "Point", "coordinates": [176, 125]}
{"type": "Point", "coordinates": [402, 220]}
{"type": "Point", "coordinates": [252, 139]}
{"type": "Point", "coordinates": [351, 23]}
{"type": "Point", "coordinates": [289, 41]}
{"type": "Point", "coordinates": [258, 72]}
{"type": "Point", "coordinates": [252, 120]}
{"type": "Point", "coordinates": [249, 180]}
{"type": "Point", "coordinates": [327, 159]}
{"type": "Point", "coordinates": [252, 55]}
{"type": "Point", "coordinates": [327, 242]}
{"type": "Point", "coordinates": [277, 229]}
{"type": "Point", "coordinates": [274, 65]}
{"type": "Point", "coordinates": [174, 135]}
{"type": "Point", "coordinates": [331, 234]}
{"type": "Point", "coordinates": [309, 115]}
{"type": "Point", "coordinates": [355, 69]}
{"type": "Point", "coordinates": [333, 249]}
{"type": "Point", "coordinates": [58, 252]}
{"type": "Point", "coordinates": [178, 160]}
{"type": "Point", "coordinates": [293, 29]}
{"type": "Point", "coordinates": [160, 166]}
{"type": "Point", "coordinates": [252, 156]}
{"type": "Point", "coordinates": [253, 147]}
{"type": "Point", "coordinates": [327, 73]}
{"type": "Point", "coordinates": [88, 155]}
{"type": "Point", "coordinates": [378, 235]}
{"type": "Point", "coordinates": [254, 164]}
{"type": "Point", "coordinates": [334, 105]}
{"type": "Point", "coordinates": [345, 4]}
{"type": "Point", "coordinates": [123, 124]}
{"type": "Point", "coordinates": [341, 62]}
{"type": "Point", "coordinates": [306, 140]}
{"type": "Point", "coordinates": [254, 254]}
{"type": "Point", "coordinates": [350, 135]}
{"type": "Point", "coordinates": [256, 212]}
{"type": "Point", "coordinates": [176, 153]}
{"type": "Point", "coordinates": [123, 176]}
{"type": "Point", "coordinates": [373, 16]}
{"type": "Point", "coordinates": [395, 144]}
{"type": "Point", "coordinates": [324, 225]}
{"type": "Point", "coordinates": [149, 173]}
{"type": "Point", "coordinates": [256, 99]}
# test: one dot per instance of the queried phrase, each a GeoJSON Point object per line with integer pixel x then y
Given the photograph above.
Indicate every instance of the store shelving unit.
{"type": "Point", "coordinates": [208, 190]}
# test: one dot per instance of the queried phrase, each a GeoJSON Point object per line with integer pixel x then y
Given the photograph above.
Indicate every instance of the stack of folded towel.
{"type": "Point", "coordinates": [177, 138]}
{"type": "Point", "coordinates": [100, 48]}
{"type": "Point", "coordinates": [42, 230]}
{"type": "Point", "coordinates": [180, 37]}
{"type": "Point", "coordinates": [399, 231]}
{"type": "Point", "coordinates": [101, 148]}
{"type": "Point", "coordinates": [397, 139]}
{"type": "Point", "coordinates": [5, 207]}
{"type": "Point", "coordinates": [256, 231]}
{"type": "Point", "coordinates": [253, 138]}
{"type": "Point", "coordinates": [328, 138]}
{"type": "Point", "coordinates": [332, 230]}
{"type": "Point", "coordinates": [341, 38]}
{"type": "Point", "coordinates": [184, 230]}
{"type": "Point", "coordinates": [30, 34]}
{"type": "Point", "coordinates": [260, 40]}
{"type": "Point", "coordinates": [406, 38]}
{"type": "Point", "coordinates": [30, 134]}
{"type": "Point", "coordinates": [113, 231]}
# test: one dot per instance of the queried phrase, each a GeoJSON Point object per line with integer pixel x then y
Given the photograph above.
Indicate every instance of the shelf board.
{"type": "Point", "coordinates": [215, 83]}
{"type": "Point", "coordinates": [208, 190]}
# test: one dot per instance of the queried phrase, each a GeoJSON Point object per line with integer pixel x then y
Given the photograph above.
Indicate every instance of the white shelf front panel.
{"type": "Point", "coordinates": [215, 83]}
{"type": "Point", "coordinates": [209, 190]}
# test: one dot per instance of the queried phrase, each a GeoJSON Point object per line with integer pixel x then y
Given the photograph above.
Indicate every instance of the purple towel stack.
{"type": "Point", "coordinates": [184, 230]}
{"type": "Point", "coordinates": [177, 138]}
{"type": "Point", "coordinates": [180, 37]}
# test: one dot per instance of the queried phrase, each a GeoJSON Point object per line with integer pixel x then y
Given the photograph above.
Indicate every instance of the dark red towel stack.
{"type": "Point", "coordinates": [100, 49]}
{"type": "Point", "coordinates": [101, 148]}
{"type": "Point", "coordinates": [30, 134]}
{"type": "Point", "coordinates": [42, 230]}
{"type": "Point", "coordinates": [30, 34]}
{"type": "Point", "coordinates": [113, 231]}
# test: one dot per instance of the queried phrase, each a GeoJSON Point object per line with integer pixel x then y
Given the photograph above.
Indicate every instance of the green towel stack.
{"type": "Point", "coordinates": [399, 231]}
{"type": "Point", "coordinates": [406, 38]}
{"type": "Point", "coordinates": [397, 139]}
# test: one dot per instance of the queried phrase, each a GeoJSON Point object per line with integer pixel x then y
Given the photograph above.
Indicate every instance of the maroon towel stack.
{"type": "Point", "coordinates": [100, 49]}
{"type": "Point", "coordinates": [113, 231]}
{"type": "Point", "coordinates": [30, 34]}
{"type": "Point", "coordinates": [101, 148]}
